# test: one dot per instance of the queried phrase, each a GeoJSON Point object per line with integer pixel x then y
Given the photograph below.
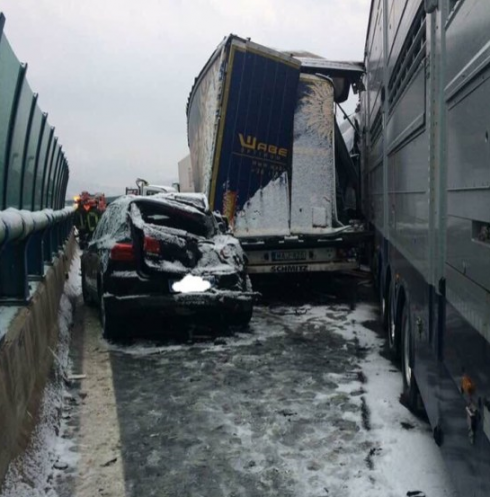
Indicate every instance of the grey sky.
{"type": "Point", "coordinates": [114, 75]}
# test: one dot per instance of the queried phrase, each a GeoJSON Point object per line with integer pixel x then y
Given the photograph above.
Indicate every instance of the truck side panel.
{"type": "Point", "coordinates": [426, 168]}
{"type": "Point", "coordinates": [203, 121]}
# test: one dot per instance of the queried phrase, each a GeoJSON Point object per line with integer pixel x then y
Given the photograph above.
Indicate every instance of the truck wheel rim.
{"type": "Point", "coordinates": [407, 370]}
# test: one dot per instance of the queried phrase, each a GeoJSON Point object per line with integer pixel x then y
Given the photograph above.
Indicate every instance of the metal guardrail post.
{"type": "Point", "coordinates": [35, 247]}
{"type": "Point", "coordinates": [35, 256]}
{"type": "Point", "coordinates": [47, 241]}
{"type": "Point", "coordinates": [56, 236]}
{"type": "Point", "coordinates": [28, 242]}
{"type": "Point", "coordinates": [14, 286]}
{"type": "Point", "coordinates": [13, 274]}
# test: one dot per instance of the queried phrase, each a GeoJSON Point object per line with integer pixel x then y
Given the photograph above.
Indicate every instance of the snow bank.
{"type": "Point", "coordinates": [31, 475]}
{"type": "Point", "coordinates": [405, 458]}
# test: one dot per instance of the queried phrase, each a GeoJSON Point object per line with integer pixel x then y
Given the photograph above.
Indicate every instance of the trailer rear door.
{"type": "Point", "coordinates": [313, 203]}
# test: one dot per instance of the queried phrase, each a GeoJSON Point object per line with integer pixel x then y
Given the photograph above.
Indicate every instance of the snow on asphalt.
{"type": "Point", "coordinates": [343, 433]}
{"type": "Point", "coordinates": [301, 405]}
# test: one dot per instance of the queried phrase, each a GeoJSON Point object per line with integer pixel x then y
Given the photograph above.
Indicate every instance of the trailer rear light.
{"type": "Point", "coordinates": [468, 386]}
{"type": "Point", "coordinates": [122, 252]}
{"type": "Point", "coordinates": [151, 245]}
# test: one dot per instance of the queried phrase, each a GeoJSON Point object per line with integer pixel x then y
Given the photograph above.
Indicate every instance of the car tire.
{"type": "Point", "coordinates": [241, 318]}
{"type": "Point", "coordinates": [110, 323]}
{"type": "Point", "coordinates": [410, 394]}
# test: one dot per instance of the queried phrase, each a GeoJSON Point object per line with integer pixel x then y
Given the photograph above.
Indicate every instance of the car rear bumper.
{"type": "Point", "coordinates": [180, 304]}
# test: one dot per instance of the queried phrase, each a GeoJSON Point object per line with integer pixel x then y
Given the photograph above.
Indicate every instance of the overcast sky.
{"type": "Point", "coordinates": [115, 75]}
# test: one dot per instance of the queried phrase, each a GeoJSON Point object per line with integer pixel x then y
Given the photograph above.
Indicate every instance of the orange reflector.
{"type": "Point", "coordinates": [122, 252]}
{"type": "Point", "coordinates": [151, 245]}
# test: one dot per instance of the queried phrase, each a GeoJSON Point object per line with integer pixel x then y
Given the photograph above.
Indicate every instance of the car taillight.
{"type": "Point", "coordinates": [151, 245]}
{"type": "Point", "coordinates": [122, 252]}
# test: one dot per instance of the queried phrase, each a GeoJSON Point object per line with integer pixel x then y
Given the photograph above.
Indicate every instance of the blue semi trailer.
{"type": "Point", "coordinates": [426, 175]}
{"type": "Point", "coordinates": [266, 149]}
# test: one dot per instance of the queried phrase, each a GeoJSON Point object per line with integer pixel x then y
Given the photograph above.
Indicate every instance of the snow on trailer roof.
{"type": "Point", "coordinates": [331, 65]}
{"type": "Point", "coordinates": [238, 40]}
{"type": "Point", "coordinates": [344, 74]}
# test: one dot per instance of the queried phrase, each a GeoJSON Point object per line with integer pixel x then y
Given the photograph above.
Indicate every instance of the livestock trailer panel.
{"type": "Point", "coordinates": [426, 179]}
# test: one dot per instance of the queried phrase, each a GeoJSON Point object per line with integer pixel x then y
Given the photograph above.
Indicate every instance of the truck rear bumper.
{"type": "Point", "coordinates": [304, 256]}
{"type": "Point", "coordinates": [300, 267]}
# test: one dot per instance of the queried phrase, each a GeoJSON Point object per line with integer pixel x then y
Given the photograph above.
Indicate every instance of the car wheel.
{"type": "Point", "coordinates": [110, 323]}
{"type": "Point", "coordinates": [410, 395]}
{"type": "Point", "coordinates": [376, 272]}
{"type": "Point", "coordinates": [241, 318]}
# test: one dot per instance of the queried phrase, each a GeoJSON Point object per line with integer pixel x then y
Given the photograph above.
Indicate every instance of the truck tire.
{"type": "Point", "coordinates": [392, 330]}
{"type": "Point", "coordinates": [388, 319]}
{"type": "Point", "coordinates": [410, 394]}
{"type": "Point", "coordinates": [383, 301]}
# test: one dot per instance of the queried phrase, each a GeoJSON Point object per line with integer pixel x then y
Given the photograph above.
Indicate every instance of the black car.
{"type": "Point", "coordinates": [166, 254]}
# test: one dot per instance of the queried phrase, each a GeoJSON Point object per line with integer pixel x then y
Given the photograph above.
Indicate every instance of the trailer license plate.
{"type": "Point", "coordinates": [293, 255]}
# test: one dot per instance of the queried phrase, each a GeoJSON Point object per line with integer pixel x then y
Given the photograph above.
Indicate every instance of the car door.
{"type": "Point", "coordinates": [91, 256]}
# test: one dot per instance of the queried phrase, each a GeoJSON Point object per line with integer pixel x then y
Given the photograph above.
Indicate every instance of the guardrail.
{"type": "Point", "coordinates": [29, 241]}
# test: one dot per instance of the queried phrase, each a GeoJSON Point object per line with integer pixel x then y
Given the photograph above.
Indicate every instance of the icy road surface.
{"type": "Point", "coordinates": [303, 405]}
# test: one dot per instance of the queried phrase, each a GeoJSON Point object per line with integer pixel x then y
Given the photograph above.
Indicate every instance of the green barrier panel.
{"type": "Point", "coordinates": [33, 168]}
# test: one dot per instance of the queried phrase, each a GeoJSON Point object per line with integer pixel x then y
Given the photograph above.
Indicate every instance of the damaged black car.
{"type": "Point", "coordinates": [169, 255]}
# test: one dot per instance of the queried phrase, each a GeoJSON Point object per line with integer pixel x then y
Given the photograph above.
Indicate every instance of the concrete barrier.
{"type": "Point", "coordinates": [26, 359]}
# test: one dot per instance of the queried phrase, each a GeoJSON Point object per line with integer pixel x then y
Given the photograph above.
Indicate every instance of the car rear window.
{"type": "Point", "coordinates": [113, 223]}
{"type": "Point", "coordinates": [183, 217]}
